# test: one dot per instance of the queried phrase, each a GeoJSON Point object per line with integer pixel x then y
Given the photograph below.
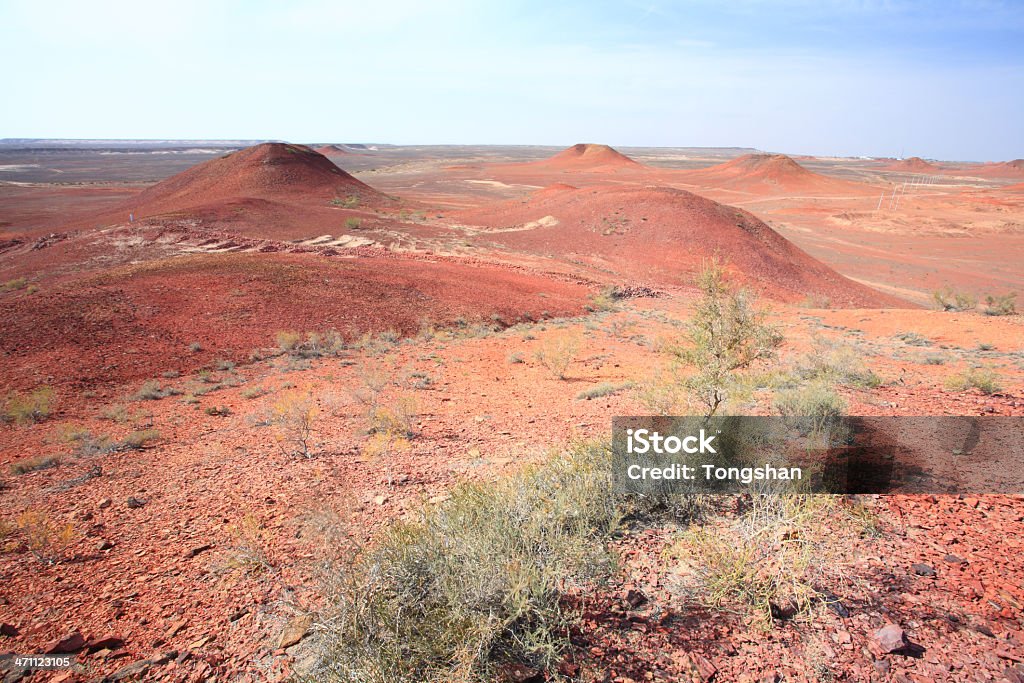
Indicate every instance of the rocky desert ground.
{"type": "Point", "coordinates": [247, 386]}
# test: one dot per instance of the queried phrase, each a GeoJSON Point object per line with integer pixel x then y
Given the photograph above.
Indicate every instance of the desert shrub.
{"type": "Point", "coordinates": [254, 392]}
{"type": "Point", "coordinates": [353, 223]}
{"type": "Point", "coordinates": [985, 380]}
{"type": "Point", "coordinates": [606, 300]}
{"type": "Point", "coordinates": [475, 585]}
{"type": "Point", "coordinates": [287, 340]}
{"type": "Point", "coordinates": [218, 411]}
{"type": "Point", "coordinates": [774, 560]}
{"type": "Point", "coordinates": [397, 418]}
{"type": "Point", "coordinates": [35, 406]}
{"type": "Point", "coordinates": [913, 339]}
{"type": "Point", "coordinates": [14, 285]}
{"type": "Point", "coordinates": [838, 363]}
{"type": "Point", "coordinates": [250, 545]}
{"type": "Point", "coordinates": [223, 365]}
{"type": "Point", "coordinates": [815, 404]}
{"type": "Point", "coordinates": [150, 391]}
{"type": "Point", "coordinates": [603, 389]}
{"type": "Point", "coordinates": [45, 538]}
{"type": "Point", "coordinates": [726, 335]}
{"type": "Point", "coordinates": [195, 347]}
{"type": "Point", "coordinates": [37, 462]}
{"type": "Point", "coordinates": [137, 440]}
{"type": "Point", "coordinates": [514, 358]}
{"type": "Point", "coordinates": [87, 445]}
{"type": "Point", "coordinates": [557, 352]}
{"type": "Point", "coordinates": [383, 445]}
{"type": "Point", "coordinates": [1005, 304]}
{"type": "Point", "coordinates": [349, 202]}
{"type": "Point", "coordinates": [949, 300]}
{"type": "Point", "coordinates": [934, 360]}
{"type": "Point", "coordinates": [294, 415]}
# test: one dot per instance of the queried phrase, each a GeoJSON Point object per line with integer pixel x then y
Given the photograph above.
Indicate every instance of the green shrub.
{"type": "Point", "coordinates": [150, 391]}
{"type": "Point", "coordinates": [353, 223]}
{"type": "Point", "coordinates": [478, 583]}
{"type": "Point", "coordinates": [557, 353]}
{"type": "Point", "coordinates": [837, 363]}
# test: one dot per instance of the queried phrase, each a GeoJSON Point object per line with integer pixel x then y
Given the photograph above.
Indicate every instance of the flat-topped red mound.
{"type": "Point", "coordinates": [913, 165]}
{"type": "Point", "coordinates": [767, 173]}
{"type": "Point", "coordinates": [663, 235]}
{"type": "Point", "coordinates": [269, 171]}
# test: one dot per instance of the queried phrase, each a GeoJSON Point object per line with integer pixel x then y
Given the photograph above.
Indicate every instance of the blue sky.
{"type": "Point", "coordinates": [934, 79]}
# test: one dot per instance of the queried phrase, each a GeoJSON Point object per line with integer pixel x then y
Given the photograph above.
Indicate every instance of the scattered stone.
{"type": "Point", "coordinates": [106, 643]}
{"type": "Point", "coordinates": [73, 642]}
{"type": "Point", "coordinates": [954, 559]}
{"type": "Point", "coordinates": [295, 630]}
{"type": "Point", "coordinates": [135, 503]}
{"type": "Point", "coordinates": [380, 500]}
{"type": "Point", "coordinates": [891, 639]}
{"type": "Point", "coordinates": [197, 550]}
{"type": "Point", "coordinates": [9, 630]}
{"type": "Point", "coordinates": [882, 666]}
{"type": "Point", "coordinates": [105, 503]}
{"type": "Point", "coordinates": [132, 670]}
{"type": "Point", "coordinates": [922, 569]}
{"type": "Point", "coordinates": [238, 614]}
{"type": "Point", "coordinates": [635, 598]}
{"type": "Point", "coordinates": [520, 673]}
{"type": "Point", "coordinates": [104, 545]}
{"type": "Point", "coordinates": [174, 629]}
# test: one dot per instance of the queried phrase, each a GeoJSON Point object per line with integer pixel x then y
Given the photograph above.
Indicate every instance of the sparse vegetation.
{"type": "Point", "coordinates": [557, 352]}
{"type": "Point", "coordinates": [31, 407]}
{"type": "Point", "coordinates": [836, 363]}
{"type": "Point", "coordinates": [44, 537]}
{"type": "Point", "coordinates": [603, 389]}
{"type": "Point", "coordinates": [34, 463]}
{"type": "Point", "coordinates": [150, 391]}
{"type": "Point", "coordinates": [816, 402]}
{"type": "Point", "coordinates": [14, 285]}
{"type": "Point", "coordinates": [983, 379]}
{"type": "Point", "coordinates": [1005, 304]}
{"type": "Point", "coordinates": [725, 336]}
{"type": "Point", "coordinates": [949, 300]}
{"type": "Point", "coordinates": [293, 416]}
{"type": "Point", "coordinates": [478, 583]}
{"type": "Point", "coordinates": [353, 223]}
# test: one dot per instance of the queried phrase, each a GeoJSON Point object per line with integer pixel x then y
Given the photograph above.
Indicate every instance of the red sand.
{"type": "Point", "coordinates": [663, 235]}
{"type": "Point", "coordinates": [769, 173]}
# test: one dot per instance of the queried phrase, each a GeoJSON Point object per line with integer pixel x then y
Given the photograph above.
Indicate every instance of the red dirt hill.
{"type": "Point", "coordinates": [767, 173]}
{"type": "Point", "coordinates": [587, 157]}
{"type": "Point", "coordinates": [913, 165]}
{"type": "Point", "coordinates": [273, 171]}
{"type": "Point", "coordinates": [335, 151]}
{"type": "Point", "coordinates": [662, 236]}
{"type": "Point", "coordinates": [1004, 169]}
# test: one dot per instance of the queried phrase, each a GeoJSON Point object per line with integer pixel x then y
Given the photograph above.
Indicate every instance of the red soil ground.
{"type": "Point", "coordinates": [1003, 169]}
{"type": "Point", "coordinates": [663, 235]}
{"type": "Point", "coordinates": [769, 174]}
{"type": "Point", "coordinates": [136, 321]}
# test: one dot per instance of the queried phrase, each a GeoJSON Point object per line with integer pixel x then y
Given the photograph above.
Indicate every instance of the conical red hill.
{"type": "Point", "coordinates": [661, 236]}
{"type": "Point", "coordinates": [913, 165]}
{"type": "Point", "coordinates": [274, 171]}
{"type": "Point", "coordinates": [770, 173]}
{"type": "Point", "coordinates": [584, 156]}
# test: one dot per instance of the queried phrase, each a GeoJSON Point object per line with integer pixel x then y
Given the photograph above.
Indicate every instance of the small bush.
{"type": "Point", "coordinates": [150, 391]}
{"type": "Point", "coordinates": [287, 340]}
{"type": "Point", "coordinates": [396, 419]}
{"type": "Point", "coordinates": [254, 392]}
{"type": "Point", "coordinates": [137, 440]}
{"type": "Point", "coordinates": [218, 411]}
{"type": "Point", "coordinates": [478, 583]}
{"type": "Point", "coordinates": [1001, 305]}
{"type": "Point", "coordinates": [14, 285]}
{"type": "Point", "coordinates": [38, 462]}
{"type": "Point", "coordinates": [514, 358]}
{"type": "Point", "coordinates": [557, 353]}
{"type": "Point", "coordinates": [934, 360]}
{"type": "Point", "coordinates": [46, 539]}
{"type": "Point", "coordinates": [34, 406]}
{"type": "Point", "coordinates": [815, 402]}
{"type": "Point", "coordinates": [837, 363]}
{"type": "Point", "coordinates": [353, 223]}
{"type": "Point", "coordinates": [294, 415]}
{"type": "Point", "coordinates": [984, 380]}
{"type": "Point", "coordinates": [948, 300]}
{"type": "Point", "coordinates": [603, 389]}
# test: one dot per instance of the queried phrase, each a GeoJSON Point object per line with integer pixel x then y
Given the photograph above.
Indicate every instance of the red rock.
{"type": "Point", "coordinates": [105, 643]}
{"type": "Point", "coordinates": [9, 630]}
{"type": "Point", "coordinates": [295, 630]}
{"type": "Point", "coordinates": [72, 642]}
{"type": "Point", "coordinates": [891, 638]}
